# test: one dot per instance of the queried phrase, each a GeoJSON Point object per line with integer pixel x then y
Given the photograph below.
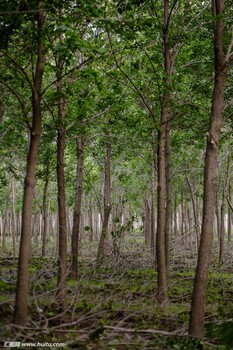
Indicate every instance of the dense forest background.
{"type": "Point", "coordinates": [116, 173]}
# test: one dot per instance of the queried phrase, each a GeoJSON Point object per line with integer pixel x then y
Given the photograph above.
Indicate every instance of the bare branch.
{"type": "Point", "coordinates": [230, 204]}
{"type": "Point", "coordinates": [136, 89]}
{"type": "Point", "coordinates": [19, 12]}
{"type": "Point", "coordinates": [77, 67]}
{"type": "Point", "coordinates": [145, 331]}
{"type": "Point", "coordinates": [20, 69]}
{"type": "Point", "coordinates": [20, 99]}
{"type": "Point", "coordinates": [229, 50]}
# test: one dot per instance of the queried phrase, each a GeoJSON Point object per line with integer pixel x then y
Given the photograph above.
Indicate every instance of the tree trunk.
{"type": "Point", "coordinates": [224, 195]}
{"type": "Point", "coordinates": [183, 213]}
{"type": "Point", "coordinates": [229, 225]}
{"type": "Point", "coordinates": [195, 213]}
{"type": "Point", "coordinates": [153, 190]}
{"type": "Point", "coordinates": [62, 221]}
{"type": "Point", "coordinates": [196, 326]}
{"type": "Point", "coordinates": [90, 215]}
{"type": "Point", "coordinates": [152, 212]}
{"type": "Point", "coordinates": [222, 231]}
{"type": "Point", "coordinates": [35, 227]}
{"type": "Point", "coordinates": [45, 211]}
{"type": "Point", "coordinates": [14, 223]}
{"type": "Point", "coordinates": [107, 205]}
{"type": "Point", "coordinates": [147, 224]}
{"type": "Point", "coordinates": [77, 209]}
{"type": "Point", "coordinates": [217, 213]}
{"type": "Point", "coordinates": [160, 241]}
{"type": "Point", "coordinates": [5, 228]}
{"type": "Point", "coordinates": [175, 218]}
{"type": "Point", "coordinates": [168, 223]}
{"type": "Point", "coordinates": [20, 315]}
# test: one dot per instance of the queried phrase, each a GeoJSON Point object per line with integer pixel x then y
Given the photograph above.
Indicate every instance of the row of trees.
{"type": "Point", "coordinates": [124, 90]}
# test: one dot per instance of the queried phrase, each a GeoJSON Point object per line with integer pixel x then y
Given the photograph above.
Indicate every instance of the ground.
{"type": "Point", "coordinates": [114, 306]}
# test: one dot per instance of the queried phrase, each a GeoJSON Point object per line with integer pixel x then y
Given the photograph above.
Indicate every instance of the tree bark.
{"type": "Point", "coordinates": [5, 228]}
{"type": "Point", "coordinates": [229, 225]}
{"type": "Point", "coordinates": [195, 213]}
{"type": "Point", "coordinates": [147, 224]}
{"type": "Point", "coordinates": [162, 236]}
{"type": "Point", "coordinates": [45, 211]}
{"type": "Point", "coordinates": [196, 326]}
{"type": "Point", "coordinates": [217, 213]}
{"type": "Point", "coordinates": [153, 191]}
{"type": "Point", "coordinates": [152, 212]}
{"type": "Point", "coordinates": [160, 241]}
{"type": "Point", "coordinates": [35, 223]}
{"type": "Point", "coordinates": [222, 225]}
{"type": "Point", "coordinates": [168, 223]}
{"type": "Point", "coordinates": [14, 226]}
{"type": "Point", "coordinates": [77, 209]}
{"type": "Point", "coordinates": [90, 215]}
{"type": "Point", "coordinates": [175, 218]}
{"type": "Point", "coordinates": [62, 221]}
{"type": "Point", "coordinates": [107, 205]}
{"type": "Point", "coordinates": [20, 314]}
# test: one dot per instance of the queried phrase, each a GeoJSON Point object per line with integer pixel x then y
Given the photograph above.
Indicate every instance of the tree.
{"type": "Point", "coordinates": [221, 63]}
{"type": "Point", "coordinates": [107, 203]}
{"type": "Point", "coordinates": [62, 222]}
{"type": "Point", "coordinates": [77, 207]}
{"type": "Point", "coordinates": [20, 316]}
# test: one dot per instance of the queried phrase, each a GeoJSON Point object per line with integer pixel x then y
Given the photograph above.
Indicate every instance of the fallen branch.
{"type": "Point", "coordinates": [159, 332]}
{"type": "Point", "coordinates": [145, 331]}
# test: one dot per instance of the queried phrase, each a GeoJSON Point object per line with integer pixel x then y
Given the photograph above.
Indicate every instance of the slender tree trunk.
{"type": "Point", "coordinates": [107, 205]}
{"type": "Point", "coordinates": [147, 224]}
{"type": "Point", "coordinates": [1, 229]}
{"type": "Point", "coordinates": [222, 225]}
{"type": "Point", "coordinates": [5, 229]}
{"type": "Point", "coordinates": [229, 225]}
{"type": "Point", "coordinates": [160, 242]}
{"type": "Point", "coordinates": [153, 191]}
{"type": "Point", "coordinates": [152, 211]}
{"type": "Point", "coordinates": [45, 211]}
{"type": "Point", "coordinates": [62, 220]}
{"type": "Point", "coordinates": [175, 218]}
{"type": "Point", "coordinates": [186, 221]}
{"type": "Point", "coordinates": [90, 214]}
{"type": "Point", "coordinates": [196, 326]}
{"type": "Point", "coordinates": [69, 225]}
{"type": "Point", "coordinates": [168, 223]}
{"type": "Point", "coordinates": [14, 226]}
{"type": "Point", "coordinates": [35, 227]}
{"type": "Point", "coordinates": [183, 213]}
{"type": "Point", "coordinates": [77, 208]}
{"type": "Point", "coordinates": [20, 315]}
{"type": "Point", "coordinates": [222, 231]}
{"type": "Point", "coordinates": [217, 213]}
{"type": "Point", "coordinates": [195, 213]}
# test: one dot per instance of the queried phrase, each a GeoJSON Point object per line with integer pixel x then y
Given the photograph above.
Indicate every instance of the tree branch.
{"type": "Point", "coordinates": [229, 50]}
{"type": "Point", "coordinates": [136, 89]}
{"type": "Point", "coordinates": [230, 204]}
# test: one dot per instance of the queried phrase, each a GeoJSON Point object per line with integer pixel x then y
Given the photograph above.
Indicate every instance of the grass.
{"type": "Point", "coordinates": [114, 307]}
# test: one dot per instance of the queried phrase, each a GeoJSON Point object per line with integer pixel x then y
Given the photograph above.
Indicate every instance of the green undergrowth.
{"type": "Point", "coordinates": [115, 307]}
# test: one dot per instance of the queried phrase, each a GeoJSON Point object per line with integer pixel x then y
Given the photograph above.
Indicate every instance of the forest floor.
{"type": "Point", "coordinates": [114, 307]}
